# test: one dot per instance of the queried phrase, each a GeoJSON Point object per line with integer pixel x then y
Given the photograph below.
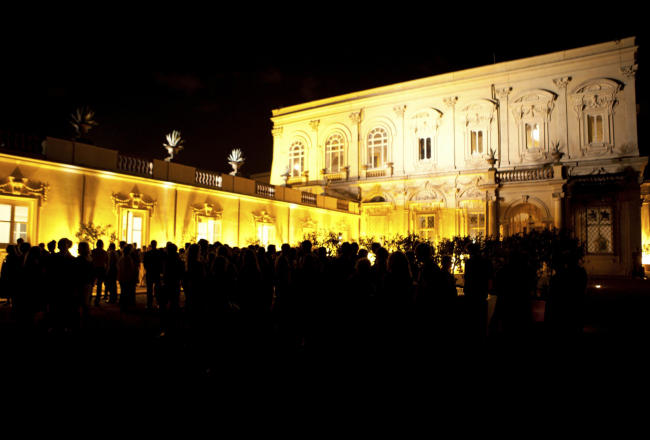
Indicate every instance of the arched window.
{"type": "Point", "coordinates": [334, 153]}
{"type": "Point", "coordinates": [377, 147]}
{"type": "Point", "coordinates": [297, 158]}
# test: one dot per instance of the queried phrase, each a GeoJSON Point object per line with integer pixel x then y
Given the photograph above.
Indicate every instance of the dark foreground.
{"type": "Point", "coordinates": [123, 350]}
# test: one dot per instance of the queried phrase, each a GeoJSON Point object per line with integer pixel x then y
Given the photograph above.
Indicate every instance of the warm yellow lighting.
{"type": "Point", "coordinates": [296, 167]}
{"type": "Point", "coordinates": [536, 133]}
{"type": "Point", "coordinates": [645, 259]}
{"type": "Point", "coordinates": [597, 286]}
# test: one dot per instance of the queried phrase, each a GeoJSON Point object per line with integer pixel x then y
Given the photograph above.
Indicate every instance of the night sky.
{"type": "Point", "coordinates": [217, 83]}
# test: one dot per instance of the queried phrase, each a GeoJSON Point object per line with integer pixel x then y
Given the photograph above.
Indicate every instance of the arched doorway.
{"type": "Point", "coordinates": [525, 218]}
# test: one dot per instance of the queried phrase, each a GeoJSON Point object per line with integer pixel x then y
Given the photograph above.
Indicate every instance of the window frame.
{"type": "Point", "coordinates": [297, 157]}
{"type": "Point", "coordinates": [23, 202]}
{"type": "Point", "coordinates": [335, 150]}
{"type": "Point", "coordinates": [371, 146]}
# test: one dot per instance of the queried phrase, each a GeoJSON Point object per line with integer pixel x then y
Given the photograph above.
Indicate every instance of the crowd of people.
{"type": "Point", "coordinates": [399, 306]}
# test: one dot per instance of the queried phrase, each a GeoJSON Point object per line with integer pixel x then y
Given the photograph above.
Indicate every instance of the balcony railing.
{"type": "Point", "coordinates": [20, 142]}
{"type": "Point", "coordinates": [524, 175]}
{"type": "Point", "coordinates": [208, 178]}
{"type": "Point", "coordinates": [375, 173]}
{"type": "Point", "coordinates": [134, 164]}
{"type": "Point", "coordinates": [264, 189]}
{"type": "Point", "coordinates": [309, 198]}
{"type": "Point", "coordinates": [343, 205]}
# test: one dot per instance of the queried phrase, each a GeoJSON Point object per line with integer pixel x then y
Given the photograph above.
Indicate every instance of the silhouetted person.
{"type": "Point", "coordinates": [479, 275]}
{"type": "Point", "coordinates": [112, 258]}
{"type": "Point", "coordinates": [127, 275]}
{"type": "Point", "coordinates": [10, 272]}
{"type": "Point", "coordinates": [172, 277]}
{"type": "Point", "coordinates": [153, 266]}
{"type": "Point", "coordinates": [100, 264]}
{"type": "Point", "coordinates": [85, 276]}
{"type": "Point", "coordinates": [61, 276]}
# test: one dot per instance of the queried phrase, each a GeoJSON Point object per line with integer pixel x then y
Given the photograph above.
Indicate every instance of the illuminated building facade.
{"type": "Point", "coordinates": [548, 141]}
{"type": "Point", "coordinates": [47, 196]}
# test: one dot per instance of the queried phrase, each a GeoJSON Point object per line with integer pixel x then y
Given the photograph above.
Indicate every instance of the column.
{"type": "Point", "coordinates": [319, 162]}
{"type": "Point", "coordinates": [451, 105]}
{"type": "Point", "coordinates": [629, 72]}
{"type": "Point", "coordinates": [399, 115]}
{"type": "Point", "coordinates": [492, 199]}
{"type": "Point", "coordinates": [504, 135]}
{"type": "Point", "coordinates": [562, 116]}
{"type": "Point", "coordinates": [354, 155]}
{"type": "Point", "coordinates": [559, 202]}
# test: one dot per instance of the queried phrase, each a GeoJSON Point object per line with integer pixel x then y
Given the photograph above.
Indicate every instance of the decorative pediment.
{"type": "Point", "coordinates": [309, 223]}
{"type": "Point", "coordinates": [480, 111]}
{"type": "Point", "coordinates": [341, 226]}
{"type": "Point", "coordinates": [206, 209]}
{"type": "Point", "coordinates": [18, 185]}
{"type": "Point", "coordinates": [533, 103]}
{"type": "Point", "coordinates": [426, 121]}
{"type": "Point", "coordinates": [134, 200]}
{"type": "Point", "coordinates": [264, 218]}
{"type": "Point", "coordinates": [595, 93]}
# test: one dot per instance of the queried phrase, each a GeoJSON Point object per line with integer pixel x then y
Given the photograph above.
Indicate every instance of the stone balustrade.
{"type": "Point", "coordinates": [343, 205]}
{"type": "Point", "coordinates": [133, 164]}
{"type": "Point", "coordinates": [375, 173]}
{"type": "Point", "coordinates": [309, 198]}
{"type": "Point", "coordinates": [264, 189]}
{"type": "Point", "coordinates": [208, 178]}
{"type": "Point", "coordinates": [524, 175]}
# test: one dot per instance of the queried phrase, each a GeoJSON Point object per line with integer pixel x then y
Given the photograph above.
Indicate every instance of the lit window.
{"type": "Point", "coordinates": [378, 147]}
{"type": "Point", "coordinates": [476, 142]}
{"type": "Point", "coordinates": [133, 226]}
{"type": "Point", "coordinates": [13, 223]}
{"type": "Point", "coordinates": [266, 234]}
{"type": "Point", "coordinates": [426, 227]}
{"type": "Point", "coordinates": [595, 128]}
{"type": "Point", "coordinates": [599, 228]}
{"type": "Point", "coordinates": [476, 224]}
{"type": "Point", "coordinates": [209, 228]}
{"type": "Point", "coordinates": [532, 135]}
{"type": "Point", "coordinates": [334, 153]}
{"type": "Point", "coordinates": [297, 159]}
{"type": "Point", "coordinates": [425, 148]}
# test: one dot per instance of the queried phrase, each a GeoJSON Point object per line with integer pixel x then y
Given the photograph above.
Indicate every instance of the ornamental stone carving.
{"type": "Point", "coordinates": [356, 117]}
{"type": "Point", "coordinates": [276, 131]}
{"type": "Point", "coordinates": [561, 83]}
{"type": "Point", "coordinates": [314, 124]}
{"type": "Point", "coordinates": [134, 200]}
{"type": "Point", "coordinates": [18, 185]}
{"type": "Point", "coordinates": [399, 110]}
{"type": "Point", "coordinates": [503, 92]}
{"type": "Point", "coordinates": [629, 71]}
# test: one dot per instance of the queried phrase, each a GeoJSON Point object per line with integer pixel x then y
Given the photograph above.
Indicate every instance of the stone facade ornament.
{"type": "Point", "coordinates": [503, 92]}
{"type": "Point", "coordinates": [629, 71]}
{"type": "Point", "coordinates": [18, 185]}
{"type": "Point", "coordinates": [356, 117]}
{"type": "Point", "coordinates": [276, 131]}
{"type": "Point", "coordinates": [83, 120]}
{"type": "Point", "coordinates": [561, 83]}
{"type": "Point", "coordinates": [173, 145]}
{"type": "Point", "coordinates": [314, 124]}
{"type": "Point", "coordinates": [236, 161]}
{"type": "Point", "coordinates": [450, 102]}
{"type": "Point", "coordinates": [134, 200]}
{"type": "Point", "coordinates": [206, 209]}
{"type": "Point", "coordinates": [399, 110]}
{"type": "Point", "coordinates": [263, 218]}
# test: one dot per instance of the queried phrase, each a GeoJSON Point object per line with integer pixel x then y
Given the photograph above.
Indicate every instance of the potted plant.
{"type": "Point", "coordinates": [83, 120]}
{"type": "Point", "coordinates": [173, 145]}
{"type": "Point", "coordinates": [285, 175]}
{"type": "Point", "coordinates": [555, 152]}
{"type": "Point", "coordinates": [490, 157]}
{"type": "Point", "coordinates": [324, 184]}
{"type": "Point", "coordinates": [236, 161]}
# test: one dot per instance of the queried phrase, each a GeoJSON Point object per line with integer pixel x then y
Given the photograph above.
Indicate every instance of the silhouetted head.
{"type": "Point", "coordinates": [306, 246]}
{"type": "Point", "coordinates": [111, 246]}
{"type": "Point", "coordinates": [363, 265]}
{"type": "Point", "coordinates": [62, 245]}
{"type": "Point", "coordinates": [171, 248]}
{"type": "Point", "coordinates": [423, 252]}
{"type": "Point", "coordinates": [100, 244]}
{"type": "Point", "coordinates": [473, 249]}
{"type": "Point", "coordinates": [154, 244]}
{"type": "Point", "coordinates": [51, 246]}
{"type": "Point", "coordinates": [83, 249]}
{"type": "Point", "coordinates": [128, 250]}
{"type": "Point", "coordinates": [398, 264]}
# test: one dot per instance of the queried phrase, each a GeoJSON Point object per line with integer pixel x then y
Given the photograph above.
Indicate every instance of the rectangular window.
{"type": "Point", "coordinates": [476, 224]}
{"type": "Point", "coordinates": [532, 135]}
{"type": "Point", "coordinates": [425, 148]}
{"type": "Point", "coordinates": [133, 227]}
{"type": "Point", "coordinates": [208, 228]}
{"type": "Point", "coordinates": [595, 128]}
{"type": "Point", "coordinates": [426, 226]}
{"type": "Point", "coordinates": [266, 234]}
{"type": "Point", "coordinates": [599, 229]}
{"type": "Point", "coordinates": [13, 223]}
{"type": "Point", "coordinates": [477, 142]}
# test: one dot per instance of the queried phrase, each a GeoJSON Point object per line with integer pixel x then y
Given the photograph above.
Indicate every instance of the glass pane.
{"type": "Point", "coordinates": [21, 231]}
{"type": "Point", "coordinates": [473, 143]}
{"type": "Point", "coordinates": [137, 223]}
{"type": "Point", "coordinates": [5, 214]}
{"type": "Point", "coordinates": [129, 229]}
{"type": "Point", "coordinates": [21, 213]}
{"type": "Point", "coordinates": [5, 232]}
{"type": "Point", "coordinates": [125, 225]}
{"type": "Point", "coordinates": [137, 237]}
{"type": "Point", "coordinates": [480, 142]}
{"type": "Point", "coordinates": [599, 128]}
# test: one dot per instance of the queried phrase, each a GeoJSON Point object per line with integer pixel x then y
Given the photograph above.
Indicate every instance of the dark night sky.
{"type": "Point", "coordinates": [217, 81]}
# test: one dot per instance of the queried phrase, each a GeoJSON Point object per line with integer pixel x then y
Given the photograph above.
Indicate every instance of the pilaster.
{"type": "Point", "coordinates": [504, 145]}
{"type": "Point", "coordinates": [562, 116]}
{"type": "Point", "coordinates": [629, 72]}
